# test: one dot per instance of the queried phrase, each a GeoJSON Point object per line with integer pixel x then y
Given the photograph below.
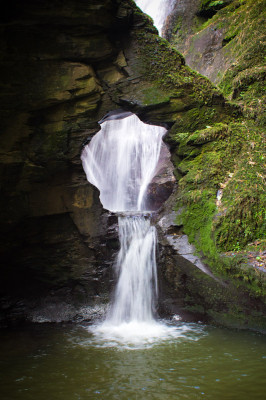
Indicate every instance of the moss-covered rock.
{"type": "Point", "coordinates": [63, 66]}
{"type": "Point", "coordinates": [57, 83]}
{"type": "Point", "coordinates": [226, 45]}
{"type": "Point", "coordinates": [221, 192]}
{"type": "Point", "coordinates": [195, 295]}
{"type": "Point", "coordinates": [208, 8]}
{"type": "Point", "coordinates": [220, 162]}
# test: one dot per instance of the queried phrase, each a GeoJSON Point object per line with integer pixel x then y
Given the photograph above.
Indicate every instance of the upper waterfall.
{"type": "Point", "coordinates": [120, 161]}
{"type": "Point", "coordinates": [158, 10]}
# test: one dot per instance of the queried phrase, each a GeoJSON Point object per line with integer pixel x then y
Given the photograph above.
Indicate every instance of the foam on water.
{"type": "Point", "coordinates": [136, 335]}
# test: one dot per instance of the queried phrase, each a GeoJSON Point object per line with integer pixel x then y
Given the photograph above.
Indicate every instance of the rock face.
{"type": "Point", "coordinates": [201, 42]}
{"type": "Point", "coordinates": [189, 288]}
{"type": "Point", "coordinates": [64, 66]}
{"type": "Point", "coordinates": [163, 183]}
{"type": "Point", "coordinates": [224, 41]}
{"type": "Point", "coordinates": [219, 166]}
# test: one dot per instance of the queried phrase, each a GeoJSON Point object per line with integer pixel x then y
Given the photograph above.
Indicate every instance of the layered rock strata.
{"type": "Point", "coordinates": [64, 66]}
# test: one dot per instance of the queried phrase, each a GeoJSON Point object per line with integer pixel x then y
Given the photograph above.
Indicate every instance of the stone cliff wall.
{"type": "Point", "coordinates": [220, 167]}
{"type": "Point", "coordinates": [64, 66]}
{"type": "Point", "coordinates": [224, 41]}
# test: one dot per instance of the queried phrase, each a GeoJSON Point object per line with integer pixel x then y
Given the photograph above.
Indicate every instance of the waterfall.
{"type": "Point", "coordinates": [158, 10]}
{"type": "Point", "coordinates": [136, 267]}
{"type": "Point", "coordinates": [121, 161]}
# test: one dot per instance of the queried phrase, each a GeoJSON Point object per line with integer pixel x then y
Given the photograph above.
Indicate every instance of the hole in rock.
{"type": "Point", "coordinates": [129, 163]}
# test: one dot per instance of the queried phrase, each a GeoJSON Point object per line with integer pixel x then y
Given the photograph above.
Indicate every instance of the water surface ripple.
{"type": "Point", "coordinates": [68, 362]}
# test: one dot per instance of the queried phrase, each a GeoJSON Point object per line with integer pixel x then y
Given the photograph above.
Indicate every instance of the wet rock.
{"type": "Point", "coordinates": [208, 55]}
{"type": "Point", "coordinates": [64, 66]}
{"type": "Point", "coordinates": [189, 288]}
{"type": "Point", "coordinates": [163, 182]}
{"type": "Point", "coordinates": [50, 312]}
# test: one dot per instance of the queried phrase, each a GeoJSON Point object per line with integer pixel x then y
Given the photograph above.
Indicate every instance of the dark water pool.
{"type": "Point", "coordinates": [55, 362]}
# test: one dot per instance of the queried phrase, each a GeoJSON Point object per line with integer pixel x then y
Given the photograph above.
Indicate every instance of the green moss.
{"type": "Point", "coordinates": [244, 41]}
{"type": "Point", "coordinates": [244, 195]}
{"type": "Point", "coordinates": [197, 220]}
{"type": "Point", "coordinates": [168, 74]}
{"type": "Point", "coordinates": [230, 157]}
{"type": "Point", "coordinates": [241, 24]}
{"type": "Point", "coordinates": [152, 95]}
{"type": "Point", "coordinates": [210, 7]}
{"type": "Point", "coordinates": [230, 36]}
{"type": "Point", "coordinates": [210, 146]}
{"type": "Point", "coordinates": [199, 309]}
{"type": "Point", "coordinates": [236, 318]}
{"type": "Point", "coordinates": [194, 119]}
{"type": "Point", "coordinates": [178, 24]}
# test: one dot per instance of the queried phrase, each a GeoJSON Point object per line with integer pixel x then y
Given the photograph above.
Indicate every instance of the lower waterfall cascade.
{"type": "Point", "coordinates": [120, 161]}
{"type": "Point", "coordinates": [136, 264]}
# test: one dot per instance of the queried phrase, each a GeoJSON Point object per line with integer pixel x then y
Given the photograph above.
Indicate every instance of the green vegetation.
{"type": "Point", "coordinates": [231, 158]}
{"type": "Point", "coordinates": [168, 79]}
{"type": "Point", "coordinates": [151, 95]}
{"type": "Point", "coordinates": [217, 149]}
{"type": "Point", "coordinates": [213, 152]}
{"type": "Point", "coordinates": [210, 7]}
{"type": "Point", "coordinates": [241, 53]}
{"type": "Point", "coordinates": [242, 26]}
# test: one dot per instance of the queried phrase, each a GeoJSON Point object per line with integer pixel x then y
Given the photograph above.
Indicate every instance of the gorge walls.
{"type": "Point", "coordinates": [224, 41]}
{"type": "Point", "coordinates": [64, 66]}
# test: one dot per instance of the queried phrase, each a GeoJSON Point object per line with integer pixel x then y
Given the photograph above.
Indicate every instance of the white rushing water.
{"type": "Point", "coordinates": [158, 10]}
{"type": "Point", "coordinates": [136, 268]}
{"type": "Point", "coordinates": [120, 161]}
